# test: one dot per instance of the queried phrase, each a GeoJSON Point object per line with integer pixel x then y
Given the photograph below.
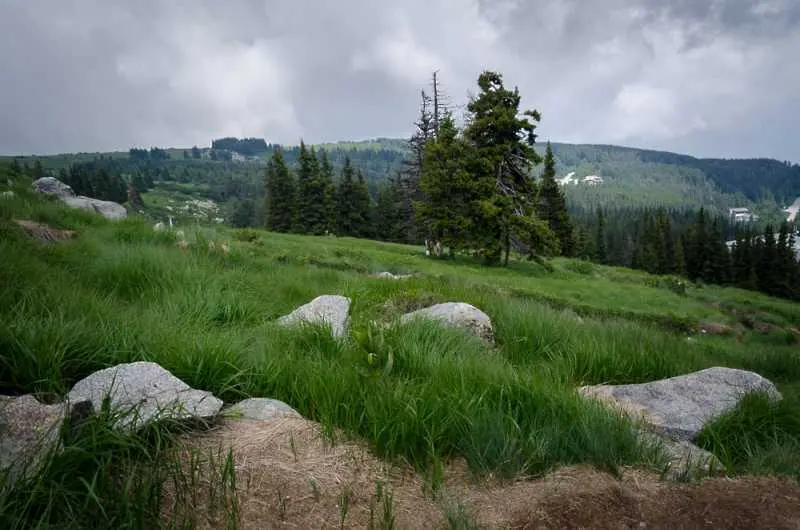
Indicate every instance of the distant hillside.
{"type": "Point", "coordinates": [621, 177]}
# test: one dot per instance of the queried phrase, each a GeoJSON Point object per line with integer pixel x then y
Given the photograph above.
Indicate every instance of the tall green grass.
{"type": "Point", "coordinates": [121, 292]}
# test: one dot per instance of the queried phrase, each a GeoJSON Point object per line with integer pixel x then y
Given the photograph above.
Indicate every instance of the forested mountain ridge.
{"type": "Point", "coordinates": [631, 177]}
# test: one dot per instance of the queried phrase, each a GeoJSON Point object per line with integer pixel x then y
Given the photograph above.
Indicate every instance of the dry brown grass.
{"type": "Point", "coordinates": [289, 477]}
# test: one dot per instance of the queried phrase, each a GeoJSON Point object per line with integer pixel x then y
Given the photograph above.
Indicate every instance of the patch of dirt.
{"type": "Point", "coordinates": [584, 498]}
{"type": "Point", "coordinates": [715, 328]}
{"type": "Point", "coordinates": [44, 233]}
{"type": "Point", "coordinates": [287, 476]}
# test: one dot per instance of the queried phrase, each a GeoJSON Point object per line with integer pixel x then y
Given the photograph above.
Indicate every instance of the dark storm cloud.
{"type": "Point", "coordinates": [708, 77]}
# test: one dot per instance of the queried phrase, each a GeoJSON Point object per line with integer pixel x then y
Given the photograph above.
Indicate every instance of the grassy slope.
{"type": "Point", "coordinates": [121, 292]}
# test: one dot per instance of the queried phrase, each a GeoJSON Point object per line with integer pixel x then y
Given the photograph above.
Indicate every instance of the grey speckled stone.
{"type": "Point", "coordinates": [679, 407]}
{"type": "Point", "coordinates": [147, 390]}
{"type": "Point", "coordinates": [333, 310]}
{"type": "Point", "coordinates": [53, 186]}
{"type": "Point", "coordinates": [686, 460]}
{"type": "Point", "coordinates": [28, 431]}
{"type": "Point", "coordinates": [261, 409]}
{"type": "Point", "coordinates": [459, 315]}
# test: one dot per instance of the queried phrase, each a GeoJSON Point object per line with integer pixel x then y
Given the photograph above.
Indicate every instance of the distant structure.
{"type": "Point", "coordinates": [741, 215]}
{"type": "Point", "coordinates": [566, 180]}
{"type": "Point", "coordinates": [588, 180]}
{"type": "Point", "coordinates": [592, 180]}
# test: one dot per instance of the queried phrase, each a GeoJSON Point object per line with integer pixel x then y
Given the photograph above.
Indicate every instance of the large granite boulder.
{"type": "Point", "coordinates": [261, 409]}
{"type": "Point", "coordinates": [53, 186]}
{"type": "Point", "coordinates": [459, 315]}
{"type": "Point", "coordinates": [679, 407]}
{"type": "Point", "coordinates": [144, 392]}
{"type": "Point", "coordinates": [332, 310]}
{"type": "Point", "coordinates": [29, 430]}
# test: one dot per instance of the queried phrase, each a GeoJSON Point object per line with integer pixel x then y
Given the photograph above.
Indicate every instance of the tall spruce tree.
{"type": "Point", "coordinates": [501, 162]}
{"type": "Point", "coordinates": [552, 206]}
{"type": "Point", "coordinates": [311, 213]}
{"type": "Point", "coordinates": [363, 203]}
{"type": "Point", "coordinates": [447, 189]}
{"type": "Point", "coordinates": [387, 214]}
{"type": "Point", "coordinates": [600, 238]}
{"type": "Point", "coordinates": [697, 248]}
{"type": "Point", "coordinates": [279, 190]}
{"type": "Point", "coordinates": [347, 214]}
{"type": "Point", "coordinates": [408, 189]}
{"type": "Point", "coordinates": [326, 179]}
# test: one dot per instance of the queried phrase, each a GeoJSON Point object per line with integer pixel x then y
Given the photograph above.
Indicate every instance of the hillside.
{"type": "Point", "coordinates": [454, 415]}
{"type": "Point", "coordinates": [631, 178]}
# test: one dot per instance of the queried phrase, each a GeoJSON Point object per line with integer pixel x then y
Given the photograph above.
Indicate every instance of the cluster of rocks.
{"type": "Point", "coordinates": [669, 412]}
{"type": "Point", "coordinates": [334, 311]}
{"type": "Point", "coordinates": [138, 393]}
{"type": "Point", "coordinates": [54, 187]}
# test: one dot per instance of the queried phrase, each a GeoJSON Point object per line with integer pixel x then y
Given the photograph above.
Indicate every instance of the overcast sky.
{"type": "Point", "coordinates": [705, 77]}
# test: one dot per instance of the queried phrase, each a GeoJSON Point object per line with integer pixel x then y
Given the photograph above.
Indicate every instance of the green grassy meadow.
{"type": "Point", "coordinates": [120, 292]}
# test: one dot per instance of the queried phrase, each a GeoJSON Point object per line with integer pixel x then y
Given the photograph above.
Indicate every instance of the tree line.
{"type": "Point", "coordinates": [309, 200]}
{"type": "Point", "coordinates": [694, 245]}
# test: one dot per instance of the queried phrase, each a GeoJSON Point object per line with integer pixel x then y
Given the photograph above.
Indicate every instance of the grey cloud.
{"type": "Point", "coordinates": [707, 77]}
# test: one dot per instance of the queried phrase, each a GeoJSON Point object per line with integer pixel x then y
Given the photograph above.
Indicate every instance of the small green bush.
{"type": "Point", "coordinates": [580, 267]}
{"type": "Point", "coordinates": [247, 235]}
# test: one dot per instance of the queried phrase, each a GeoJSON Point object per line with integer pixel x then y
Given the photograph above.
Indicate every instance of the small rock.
{"type": "Point", "coordinates": [765, 328]}
{"type": "Point", "coordinates": [29, 430]}
{"type": "Point", "coordinates": [333, 310]}
{"type": "Point", "coordinates": [7, 194]}
{"type": "Point", "coordinates": [389, 276]}
{"type": "Point", "coordinates": [715, 328]}
{"type": "Point", "coordinates": [459, 315]}
{"type": "Point", "coordinates": [679, 407]}
{"type": "Point", "coordinates": [146, 390]}
{"type": "Point", "coordinates": [43, 232]}
{"type": "Point", "coordinates": [261, 409]}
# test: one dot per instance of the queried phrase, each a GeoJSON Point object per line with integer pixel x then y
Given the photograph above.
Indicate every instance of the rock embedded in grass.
{"type": "Point", "coordinates": [261, 409]}
{"type": "Point", "coordinates": [459, 315]}
{"type": "Point", "coordinates": [29, 430]}
{"type": "Point", "coordinates": [64, 193]}
{"type": "Point", "coordinates": [390, 276]}
{"type": "Point", "coordinates": [142, 392]}
{"type": "Point", "coordinates": [333, 310]}
{"type": "Point", "coordinates": [679, 407]}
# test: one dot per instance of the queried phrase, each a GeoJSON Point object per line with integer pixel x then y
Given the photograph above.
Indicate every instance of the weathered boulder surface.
{"type": "Point", "coordinates": [333, 310]}
{"type": "Point", "coordinates": [685, 460]}
{"type": "Point", "coordinates": [679, 407]}
{"type": "Point", "coordinates": [28, 431]}
{"type": "Point", "coordinates": [459, 315]}
{"type": "Point", "coordinates": [53, 186]}
{"type": "Point", "coordinates": [145, 392]}
{"type": "Point", "coordinates": [261, 409]}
